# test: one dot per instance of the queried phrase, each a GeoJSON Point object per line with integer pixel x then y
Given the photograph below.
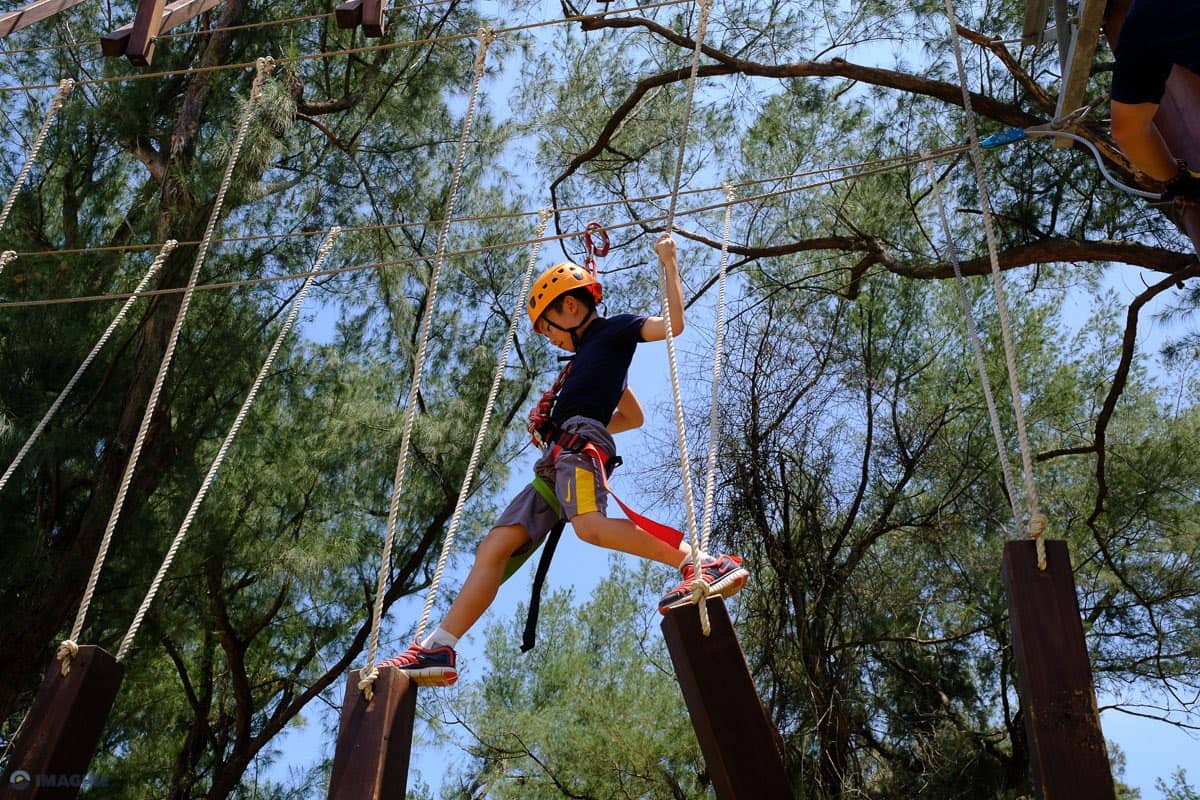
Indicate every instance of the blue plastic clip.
{"type": "Point", "coordinates": [1002, 138]}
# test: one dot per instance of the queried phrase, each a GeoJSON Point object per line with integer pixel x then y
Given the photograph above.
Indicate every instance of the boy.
{"type": "Point", "coordinates": [1156, 35]}
{"type": "Point", "coordinates": [592, 404]}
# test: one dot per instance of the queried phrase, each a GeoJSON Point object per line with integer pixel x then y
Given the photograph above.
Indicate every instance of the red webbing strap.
{"type": "Point", "coordinates": [656, 529]}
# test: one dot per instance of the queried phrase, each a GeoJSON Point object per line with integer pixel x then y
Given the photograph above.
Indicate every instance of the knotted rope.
{"type": "Point", "coordinates": [155, 266]}
{"type": "Point", "coordinates": [68, 647]}
{"type": "Point", "coordinates": [484, 424]}
{"type": "Point", "coordinates": [370, 672]}
{"type": "Point", "coordinates": [169, 558]}
{"type": "Point", "coordinates": [1037, 522]}
{"type": "Point", "coordinates": [64, 88]}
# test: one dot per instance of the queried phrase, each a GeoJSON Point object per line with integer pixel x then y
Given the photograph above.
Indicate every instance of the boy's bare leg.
{"type": "Point", "coordinates": [1134, 131]}
{"type": "Point", "coordinates": [623, 535]}
{"type": "Point", "coordinates": [479, 589]}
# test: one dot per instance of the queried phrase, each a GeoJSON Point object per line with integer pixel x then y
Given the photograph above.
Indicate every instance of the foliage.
{"type": "Point", "coordinates": [593, 711]}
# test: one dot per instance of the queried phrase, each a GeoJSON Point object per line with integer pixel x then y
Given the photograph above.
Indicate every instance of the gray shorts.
{"type": "Point", "coordinates": [580, 490]}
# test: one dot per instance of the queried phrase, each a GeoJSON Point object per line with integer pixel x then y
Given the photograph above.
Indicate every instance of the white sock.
{"type": "Point", "coordinates": [439, 638]}
{"type": "Point", "coordinates": [687, 559]}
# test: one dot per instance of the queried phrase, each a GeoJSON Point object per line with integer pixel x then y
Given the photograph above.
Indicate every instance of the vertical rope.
{"type": "Point", "coordinates": [714, 426]}
{"type": "Point", "coordinates": [64, 88]}
{"type": "Point", "coordinates": [701, 29]}
{"type": "Point", "coordinates": [699, 588]}
{"type": "Point", "coordinates": [501, 364]}
{"type": "Point", "coordinates": [1037, 522]}
{"type": "Point", "coordinates": [370, 672]}
{"type": "Point", "coordinates": [155, 266]}
{"type": "Point", "coordinates": [976, 345]}
{"type": "Point", "coordinates": [6, 258]}
{"type": "Point", "coordinates": [68, 649]}
{"type": "Point", "coordinates": [188, 518]}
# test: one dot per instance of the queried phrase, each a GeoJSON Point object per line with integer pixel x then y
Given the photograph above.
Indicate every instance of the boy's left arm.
{"type": "Point", "coordinates": [655, 328]}
{"type": "Point", "coordinates": [628, 414]}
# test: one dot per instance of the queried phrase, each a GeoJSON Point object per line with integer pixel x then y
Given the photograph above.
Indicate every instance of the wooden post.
{"type": "Point", "coordinates": [374, 739]}
{"type": "Point", "coordinates": [146, 25]}
{"type": "Point", "coordinates": [368, 13]}
{"type": "Point", "coordinates": [1080, 57]}
{"type": "Point", "coordinates": [739, 743]}
{"type": "Point", "coordinates": [372, 18]}
{"type": "Point", "coordinates": [1054, 676]}
{"type": "Point", "coordinates": [59, 738]}
{"type": "Point", "coordinates": [349, 15]}
{"type": "Point", "coordinates": [115, 43]}
{"type": "Point", "coordinates": [1178, 118]}
{"type": "Point", "coordinates": [34, 12]}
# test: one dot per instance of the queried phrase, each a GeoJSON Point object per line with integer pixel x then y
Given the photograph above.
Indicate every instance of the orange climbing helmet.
{"type": "Point", "coordinates": [557, 281]}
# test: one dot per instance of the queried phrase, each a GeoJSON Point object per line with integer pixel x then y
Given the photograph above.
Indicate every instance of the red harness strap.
{"type": "Point", "coordinates": [656, 529]}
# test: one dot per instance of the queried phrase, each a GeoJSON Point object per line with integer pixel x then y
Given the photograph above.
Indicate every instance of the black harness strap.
{"type": "Point", "coordinates": [529, 637]}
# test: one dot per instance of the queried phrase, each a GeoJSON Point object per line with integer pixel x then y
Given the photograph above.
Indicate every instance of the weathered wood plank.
{"type": "Point", "coordinates": [1068, 756]}
{"type": "Point", "coordinates": [35, 12]}
{"type": "Point", "coordinates": [737, 738]}
{"type": "Point", "coordinates": [1085, 38]}
{"type": "Point", "coordinates": [374, 740]}
{"type": "Point", "coordinates": [174, 14]}
{"type": "Point", "coordinates": [63, 728]}
{"type": "Point", "coordinates": [349, 15]}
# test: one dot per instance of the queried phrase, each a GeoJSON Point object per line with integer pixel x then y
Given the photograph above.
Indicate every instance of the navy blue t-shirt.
{"type": "Point", "coordinates": [1156, 35]}
{"type": "Point", "coordinates": [600, 370]}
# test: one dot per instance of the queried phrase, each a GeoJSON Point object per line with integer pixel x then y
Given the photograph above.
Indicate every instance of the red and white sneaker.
{"type": "Point", "coordinates": [724, 575]}
{"type": "Point", "coordinates": [433, 666]}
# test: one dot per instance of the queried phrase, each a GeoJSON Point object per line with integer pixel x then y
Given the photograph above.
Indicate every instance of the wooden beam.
{"type": "Point", "coordinates": [116, 43]}
{"type": "Point", "coordinates": [1037, 17]}
{"type": "Point", "coordinates": [374, 739]}
{"type": "Point", "coordinates": [349, 15]}
{"type": "Point", "coordinates": [738, 740]}
{"type": "Point", "coordinates": [63, 728]}
{"type": "Point", "coordinates": [372, 18]}
{"type": "Point", "coordinates": [1178, 118]}
{"type": "Point", "coordinates": [146, 25]}
{"type": "Point", "coordinates": [368, 13]}
{"type": "Point", "coordinates": [1054, 677]}
{"type": "Point", "coordinates": [1081, 57]}
{"type": "Point", "coordinates": [37, 11]}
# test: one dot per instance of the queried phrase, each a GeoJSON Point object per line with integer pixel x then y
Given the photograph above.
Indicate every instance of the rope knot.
{"type": "Point", "coordinates": [6, 258]}
{"type": "Point", "coordinates": [486, 36]}
{"type": "Point", "coordinates": [701, 591]}
{"type": "Point", "coordinates": [1037, 525]}
{"type": "Point", "coordinates": [366, 682]}
{"type": "Point", "coordinates": [67, 651]}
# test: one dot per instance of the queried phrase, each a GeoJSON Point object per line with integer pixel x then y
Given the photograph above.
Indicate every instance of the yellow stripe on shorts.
{"type": "Point", "coordinates": [585, 491]}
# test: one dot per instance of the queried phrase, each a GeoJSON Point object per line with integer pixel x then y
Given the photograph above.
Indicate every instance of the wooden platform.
{"type": "Point", "coordinates": [59, 738]}
{"type": "Point", "coordinates": [374, 740]}
{"type": "Point", "coordinates": [1068, 756]}
{"type": "Point", "coordinates": [738, 740]}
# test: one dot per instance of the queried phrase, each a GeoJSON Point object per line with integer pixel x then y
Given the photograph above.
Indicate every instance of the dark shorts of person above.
{"type": "Point", "coordinates": [573, 476]}
{"type": "Point", "coordinates": [1156, 35]}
